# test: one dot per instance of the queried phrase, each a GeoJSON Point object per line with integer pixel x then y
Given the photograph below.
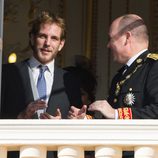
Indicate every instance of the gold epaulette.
{"type": "Point", "coordinates": [153, 56]}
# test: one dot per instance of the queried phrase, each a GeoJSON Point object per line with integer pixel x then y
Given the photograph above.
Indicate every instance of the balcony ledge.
{"type": "Point", "coordinates": [126, 134]}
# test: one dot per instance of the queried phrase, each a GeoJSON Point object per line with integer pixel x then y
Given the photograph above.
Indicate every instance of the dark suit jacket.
{"type": "Point", "coordinates": [140, 90]}
{"type": "Point", "coordinates": [17, 92]}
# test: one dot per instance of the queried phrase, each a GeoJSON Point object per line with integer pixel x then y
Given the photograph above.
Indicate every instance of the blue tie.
{"type": "Point", "coordinates": [41, 83]}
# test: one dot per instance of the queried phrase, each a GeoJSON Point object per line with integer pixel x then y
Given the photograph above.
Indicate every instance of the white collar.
{"type": "Point", "coordinates": [130, 61]}
{"type": "Point", "coordinates": [34, 63]}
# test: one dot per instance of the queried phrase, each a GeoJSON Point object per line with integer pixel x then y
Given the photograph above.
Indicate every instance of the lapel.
{"type": "Point", "coordinates": [57, 86]}
{"type": "Point", "coordinates": [57, 83]}
{"type": "Point", "coordinates": [23, 70]}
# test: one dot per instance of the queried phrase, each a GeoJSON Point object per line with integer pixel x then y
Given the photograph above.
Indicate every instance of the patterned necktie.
{"type": "Point", "coordinates": [41, 83]}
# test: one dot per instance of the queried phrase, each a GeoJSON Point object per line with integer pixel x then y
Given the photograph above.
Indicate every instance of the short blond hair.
{"type": "Point", "coordinates": [48, 18]}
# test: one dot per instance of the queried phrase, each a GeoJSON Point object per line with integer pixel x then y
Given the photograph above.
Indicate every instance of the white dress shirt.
{"type": "Point", "coordinates": [49, 74]}
{"type": "Point", "coordinates": [130, 61]}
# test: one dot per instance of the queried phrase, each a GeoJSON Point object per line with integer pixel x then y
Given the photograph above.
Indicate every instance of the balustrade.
{"type": "Point", "coordinates": [70, 138]}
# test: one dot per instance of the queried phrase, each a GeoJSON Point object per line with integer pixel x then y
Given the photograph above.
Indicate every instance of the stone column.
{"type": "Point", "coordinates": [146, 152]}
{"type": "Point", "coordinates": [3, 152]}
{"type": "Point", "coordinates": [33, 152]}
{"type": "Point", "coordinates": [108, 152]}
{"type": "Point", "coordinates": [70, 152]}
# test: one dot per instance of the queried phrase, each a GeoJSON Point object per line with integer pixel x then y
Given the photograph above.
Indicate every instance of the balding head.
{"type": "Point", "coordinates": [133, 23]}
{"type": "Point", "coordinates": [128, 36]}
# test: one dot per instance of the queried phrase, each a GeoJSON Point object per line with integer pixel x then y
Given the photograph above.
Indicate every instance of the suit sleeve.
{"type": "Point", "coordinates": [72, 85]}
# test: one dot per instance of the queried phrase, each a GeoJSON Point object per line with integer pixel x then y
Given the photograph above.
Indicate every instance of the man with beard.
{"type": "Point", "coordinates": [21, 97]}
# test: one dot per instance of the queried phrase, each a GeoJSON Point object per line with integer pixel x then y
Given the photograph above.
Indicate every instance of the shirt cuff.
{"type": "Point", "coordinates": [116, 114]}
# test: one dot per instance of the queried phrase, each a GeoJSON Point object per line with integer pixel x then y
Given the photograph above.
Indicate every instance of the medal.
{"type": "Point", "coordinates": [129, 99]}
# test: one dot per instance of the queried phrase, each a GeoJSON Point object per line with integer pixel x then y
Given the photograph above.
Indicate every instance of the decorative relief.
{"type": "Point", "coordinates": [10, 11]}
{"type": "Point", "coordinates": [34, 8]}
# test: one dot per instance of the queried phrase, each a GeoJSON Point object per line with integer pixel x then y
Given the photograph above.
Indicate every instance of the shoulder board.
{"type": "Point", "coordinates": [153, 56]}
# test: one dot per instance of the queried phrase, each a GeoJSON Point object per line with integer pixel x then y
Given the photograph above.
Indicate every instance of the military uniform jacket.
{"type": "Point", "coordinates": [135, 93]}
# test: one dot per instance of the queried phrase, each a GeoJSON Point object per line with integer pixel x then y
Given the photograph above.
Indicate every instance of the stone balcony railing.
{"type": "Point", "coordinates": [70, 138]}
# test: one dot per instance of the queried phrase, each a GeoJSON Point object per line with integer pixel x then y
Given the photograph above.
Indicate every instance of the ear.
{"type": "Point", "coordinates": [61, 45]}
{"type": "Point", "coordinates": [128, 37]}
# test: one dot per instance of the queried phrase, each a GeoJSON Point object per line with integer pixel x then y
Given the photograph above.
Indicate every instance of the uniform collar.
{"type": "Point", "coordinates": [139, 60]}
{"type": "Point", "coordinates": [130, 61]}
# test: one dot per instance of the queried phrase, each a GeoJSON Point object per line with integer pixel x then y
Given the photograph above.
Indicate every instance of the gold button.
{"type": "Point", "coordinates": [115, 100]}
{"type": "Point", "coordinates": [139, 60]}
{"type": "Point", "coordinates": [130, 89]}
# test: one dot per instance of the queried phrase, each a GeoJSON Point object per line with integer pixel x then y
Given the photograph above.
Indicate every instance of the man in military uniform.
{"type": "Point", "coordinates": [134, 91]}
